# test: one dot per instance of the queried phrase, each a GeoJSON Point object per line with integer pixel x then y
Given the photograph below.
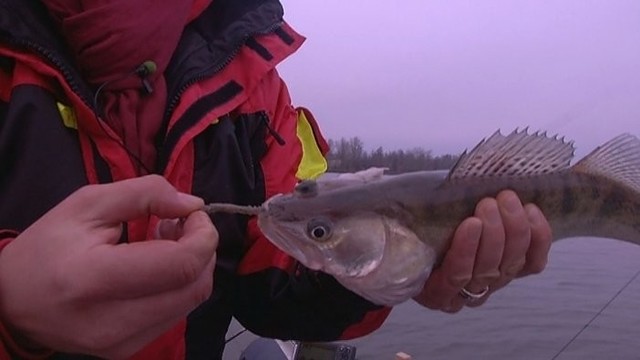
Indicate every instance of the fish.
{"type": "Point", "coordinates": [381, 236]}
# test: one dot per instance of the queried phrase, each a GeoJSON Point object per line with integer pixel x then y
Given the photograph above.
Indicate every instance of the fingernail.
{"type": "Point", "coordinates": [493, 216]}
{"type": "Point", "coordinates": [533, 213]}
{"type": "Point", "coordinates": [190, 200]}
{"type": "Point", "coordinates": [474, 229]}
{"type": "Point", "coordinates": [512, 203]}
{"type": "Point", "coordinates": [168, 229]}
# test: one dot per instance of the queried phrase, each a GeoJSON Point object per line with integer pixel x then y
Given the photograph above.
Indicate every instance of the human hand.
{"type": "Point", "coordinates": [66, 284]}
{"type": "Point", "coordinates": [503, 240]}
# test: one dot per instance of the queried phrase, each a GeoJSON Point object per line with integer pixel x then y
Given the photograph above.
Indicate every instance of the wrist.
{"type": "Point", "coordinates": [11, 340]}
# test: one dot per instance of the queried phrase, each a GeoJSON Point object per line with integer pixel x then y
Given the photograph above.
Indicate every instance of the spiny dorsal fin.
{"type": "Point", "coordinates": [516, 154]}
{"type": "Point", "coordinates": [618, 160]}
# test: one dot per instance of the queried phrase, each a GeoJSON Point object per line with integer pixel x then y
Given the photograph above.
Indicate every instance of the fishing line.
{"type": "Point", "coordinates": [596, 316]}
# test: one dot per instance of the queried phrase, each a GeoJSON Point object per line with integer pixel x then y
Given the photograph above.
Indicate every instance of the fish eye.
{"type": "Point", "coordinates": [307, 188]}
{"type": "Point", "coordinates": [319, 229]}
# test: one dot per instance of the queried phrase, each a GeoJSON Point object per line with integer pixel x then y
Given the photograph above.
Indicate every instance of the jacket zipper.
{"type": "Point", "coordinates": [215, 69]}
{"type": "Point", "coordinates": [73, 83]}
{"type": "Point", "coordinates": [60, 65]}
{"type": "Point", "coordinates": [75, 87]}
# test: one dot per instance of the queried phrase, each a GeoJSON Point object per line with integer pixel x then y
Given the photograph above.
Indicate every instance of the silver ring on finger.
{"type": "Point", "coordinates": [470, 296]}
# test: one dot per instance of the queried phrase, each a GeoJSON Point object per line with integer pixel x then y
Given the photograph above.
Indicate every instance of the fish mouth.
{"type": "Point", "coordinates": [288, 240]}
{"type": "Point", "coordinates": [352, 250]}
{"type": "Point", "coordinates": [320, 257]}
{"type": "Point", "coordinates": [272, 208]}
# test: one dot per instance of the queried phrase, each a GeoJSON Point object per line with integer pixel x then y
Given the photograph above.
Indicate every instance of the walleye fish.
{"type": "Point", "coordinates": [380, 236]}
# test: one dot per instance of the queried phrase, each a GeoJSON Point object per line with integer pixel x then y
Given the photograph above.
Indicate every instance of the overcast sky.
{"type": "Point", "coordinates": [443, 74]}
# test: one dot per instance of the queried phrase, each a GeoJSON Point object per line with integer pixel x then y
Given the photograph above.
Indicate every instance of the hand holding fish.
{"type": "Point", "coordinates": [503, 240]}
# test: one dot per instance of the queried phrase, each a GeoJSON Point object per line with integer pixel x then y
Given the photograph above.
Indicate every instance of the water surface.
{"type": "Point", "coordinates": [533, 318]}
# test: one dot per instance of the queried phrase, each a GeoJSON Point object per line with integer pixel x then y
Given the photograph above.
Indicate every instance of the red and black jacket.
{"type": "Point", "coordinates": [229, 135]}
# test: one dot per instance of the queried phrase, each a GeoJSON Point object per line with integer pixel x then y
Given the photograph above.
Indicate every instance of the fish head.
{"type": "Point", "coordinates": [357, 238]}
{"type": "Point", "coordinates": [344, 245]}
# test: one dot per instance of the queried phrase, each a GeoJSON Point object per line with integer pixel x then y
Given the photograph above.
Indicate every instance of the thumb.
{"type": "Point", "coordinates": [134, 198]}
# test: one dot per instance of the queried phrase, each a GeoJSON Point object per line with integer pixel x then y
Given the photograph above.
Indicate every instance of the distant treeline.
{"type": "Point", "coordinates": [348, 155]}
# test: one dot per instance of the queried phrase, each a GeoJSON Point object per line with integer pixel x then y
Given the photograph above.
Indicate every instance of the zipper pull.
{"type": "Point", "coordinates": [272, 131]}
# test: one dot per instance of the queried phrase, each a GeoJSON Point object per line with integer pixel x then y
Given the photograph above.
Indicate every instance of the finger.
{"type": "Point", "coordinates": [153, 310]}
{"type": "Point", "coordinates": [453, 307]}
{"type": "Point", "coordinates": [139, 269]}
{"type": "Point", "coordinates": [541, 238]}
{"type": "Point", "coordinates": [536, 255]}
{"type": "Point", "coordinates": [135, 343]}
{"type": "Point", "coordinates": [492, 241]}
{"type": "Point", "coordinates": [456, 269]}
{"type": "Point", "coordinates": [199, 235]}
{"type": "Point", "coordinates": [135, 322]}
{"type": "Point", "coordinates": [479, 302]}
{"type": "Point", "coordinates": [517, 233]}
{"type": "Point", "coordinates": [170, 229]}
{"type": "Point", "coordinates": [134, 198]}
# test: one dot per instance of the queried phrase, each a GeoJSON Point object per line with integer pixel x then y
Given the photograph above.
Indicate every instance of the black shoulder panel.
{"type": "Point", "coordinates": [42, 173]}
